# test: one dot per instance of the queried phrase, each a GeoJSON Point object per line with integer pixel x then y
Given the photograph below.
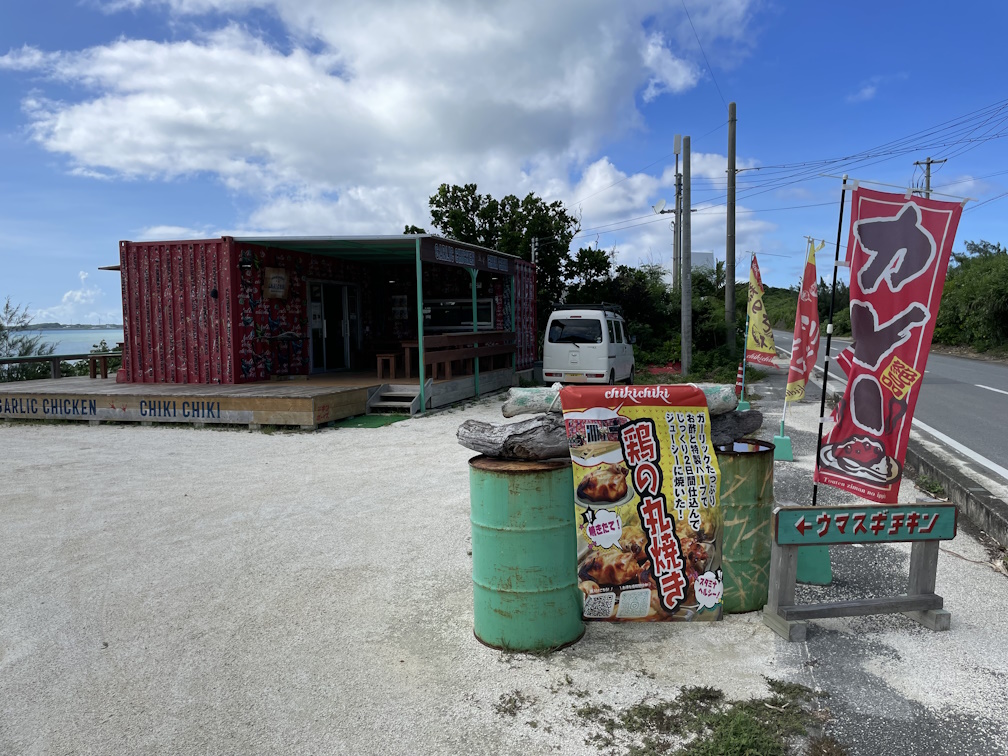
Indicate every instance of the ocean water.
{"type": "Point", "coordinates": [82, 340]}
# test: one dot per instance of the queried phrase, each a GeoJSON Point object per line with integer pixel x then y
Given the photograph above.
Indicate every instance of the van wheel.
{"type": "Point", "coordinates": [612, 377]}
{"type": "Point", "coordinates": [630, 378]}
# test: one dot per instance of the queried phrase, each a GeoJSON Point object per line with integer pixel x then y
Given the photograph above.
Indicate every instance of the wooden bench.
{"type": "Point", "coordinates": [444, 351]}
{"type": "Point", "coordinates": [96, 361]}
{"type": "Point", "coordinates": [386, 359]}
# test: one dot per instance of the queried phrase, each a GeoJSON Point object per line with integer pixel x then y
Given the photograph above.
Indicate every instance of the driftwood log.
{"type": "Point", "coordinates": [539, 437]}
{"type": "Point", "coordinates": [721, 399]}
{"type": "Point", "coordinates": [730, 427]}
{"type": "Point", "coordinates": [544, 436]}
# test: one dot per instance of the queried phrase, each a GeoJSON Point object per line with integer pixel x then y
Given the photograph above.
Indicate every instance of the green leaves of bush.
{"type": "Point", "coordinates": [974, 307]}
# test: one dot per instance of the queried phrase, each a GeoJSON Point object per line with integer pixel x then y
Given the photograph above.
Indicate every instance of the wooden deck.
{"type": "Point", "coordinates": [302, 403]}
{"type": "Point", "coordinates": [305, 403]}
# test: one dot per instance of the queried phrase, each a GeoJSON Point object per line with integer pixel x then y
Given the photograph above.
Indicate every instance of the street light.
{"type": "Point", "coordinates": [541, 241]}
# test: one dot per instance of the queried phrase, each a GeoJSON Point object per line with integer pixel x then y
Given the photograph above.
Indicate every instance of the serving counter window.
{"type": "Point", "coordinates": [454, 315]}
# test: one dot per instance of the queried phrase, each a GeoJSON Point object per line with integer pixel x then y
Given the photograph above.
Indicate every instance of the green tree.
{"type": "Point", "coordinates": [509, 225]}
{"type": "Point", "coordinates": [589, 276]}
{"type": "Point", "coordinates": [17, 339]}
{"type": "Point", "coordinates": [840, 306]}
{"type": "Point", "coordinates": [974, 306]}
{"type": "Point", "coordinates": [83, 367]}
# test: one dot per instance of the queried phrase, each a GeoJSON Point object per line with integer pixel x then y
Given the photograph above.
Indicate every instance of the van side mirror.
{"type": "Point", "coordinates": [633, 339]}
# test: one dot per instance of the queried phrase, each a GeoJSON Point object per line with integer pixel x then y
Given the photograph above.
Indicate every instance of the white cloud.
{"type": "Point", "coordinates": [864, 94]}
{"type": "Point", "coordinates": [671, 74]}
{"type": "Point", "coordinates": [351, 121]}
{"type": "Point", "coordinates": [171, 233]}
{"type": "Point", "coordinates": [84, 304]}
{"type": "Point", "coordinates": [84, 295]}
{"type": "Point", "coordinates": [870, 89]}
{"type": "Point", "coordinates": [965, 186]}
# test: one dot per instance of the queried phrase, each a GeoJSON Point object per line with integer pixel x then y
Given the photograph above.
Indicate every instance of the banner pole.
{"type": "Point", "coordinates": [829, 338]}
{"type": "Point", "coordinates": [743, 405]}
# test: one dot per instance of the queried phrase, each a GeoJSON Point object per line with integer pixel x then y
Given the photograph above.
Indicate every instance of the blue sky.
{"type": "Point", "coordinates": [174, 119]}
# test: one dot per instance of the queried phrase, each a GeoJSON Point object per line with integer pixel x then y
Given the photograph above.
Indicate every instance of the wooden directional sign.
{"type": "Point", "coordinates": [816, 526]}
{"type": "Point", "coordinates": [925, 523]}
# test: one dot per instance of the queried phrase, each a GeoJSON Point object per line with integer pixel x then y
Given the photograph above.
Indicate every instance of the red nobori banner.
{"type": "Point", "coordinates": [647, 502]}
{"type": "Point", "coordinates": [898, 251]}
{"type": "Point", "coordinates": [805, 344]}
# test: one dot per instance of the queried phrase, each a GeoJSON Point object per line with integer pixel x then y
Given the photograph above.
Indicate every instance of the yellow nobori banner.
{"type": "Point", "coordinates": [759, 336]}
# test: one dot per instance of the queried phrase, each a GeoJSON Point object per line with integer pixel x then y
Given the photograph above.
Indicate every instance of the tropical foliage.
{"type": "Point", "coordinates": [974, 308]}
{"type": "Point", "coordinates": [18, 339]}
{"type": "Point", "coordinates": [512, 226]}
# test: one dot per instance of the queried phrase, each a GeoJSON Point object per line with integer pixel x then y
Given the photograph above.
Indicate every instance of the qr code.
{"type": "Point", "coordinates": [635, 603]}
{"type": "Point", "coordinates": [599, 605]}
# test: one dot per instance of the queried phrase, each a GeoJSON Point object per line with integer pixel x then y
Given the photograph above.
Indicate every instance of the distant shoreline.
{"type": "Point", "coordinates": [61, 327]}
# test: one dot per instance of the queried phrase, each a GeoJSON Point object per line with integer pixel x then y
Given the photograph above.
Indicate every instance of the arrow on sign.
{"type": "Point", "coordinates": [801, 526]}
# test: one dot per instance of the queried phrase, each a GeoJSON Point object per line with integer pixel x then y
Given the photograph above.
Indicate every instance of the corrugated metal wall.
{"type": "Point", "coordinates": [525, 317]}
{"type": "Point", "coordinates": [178, 309]}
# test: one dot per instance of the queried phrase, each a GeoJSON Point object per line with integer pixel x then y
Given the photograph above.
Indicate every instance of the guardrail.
{"type": "Point", "coordinates": [97, 362]}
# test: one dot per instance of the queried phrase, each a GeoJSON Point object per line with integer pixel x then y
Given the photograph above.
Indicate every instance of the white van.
{"type": "Point", "coordinates": [587, 344]}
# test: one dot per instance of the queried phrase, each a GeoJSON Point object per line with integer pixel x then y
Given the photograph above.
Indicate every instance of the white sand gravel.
{"type": "Point", "coordinates": [174, 590]}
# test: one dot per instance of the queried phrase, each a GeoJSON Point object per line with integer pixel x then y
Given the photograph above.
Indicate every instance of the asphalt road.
{"type": "Point", "coordinates": [963, 404]}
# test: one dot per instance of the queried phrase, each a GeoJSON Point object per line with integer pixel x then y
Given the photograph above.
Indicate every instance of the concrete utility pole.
{"type": "Point", "coordinates": [927, 173]}
{"type": "Point", "coordinates": [729, 294]}
{"type": "Point", "coordinates": [687, 283]}
{"type": "Point", "coordinates": [677, 230]}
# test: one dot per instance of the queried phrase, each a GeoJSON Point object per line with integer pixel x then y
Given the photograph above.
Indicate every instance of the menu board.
{"type": "Point", "coordinates": [647, 502]}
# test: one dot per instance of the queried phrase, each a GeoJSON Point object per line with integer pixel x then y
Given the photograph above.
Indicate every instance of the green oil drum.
{"type": "Point", "coordinates": [524, 552]}
{"type": "Point", "coordinates": [747, 502]}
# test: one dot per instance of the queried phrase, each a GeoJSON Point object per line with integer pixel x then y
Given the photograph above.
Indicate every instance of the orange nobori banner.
{"type": "Point", "coordinates": [647, 502]}
{"type": "Point", "coordinates": [898, 251]}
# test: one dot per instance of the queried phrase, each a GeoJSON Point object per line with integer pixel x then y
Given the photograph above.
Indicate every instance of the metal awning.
{"type": "Point", "coordinates": [400, 248]}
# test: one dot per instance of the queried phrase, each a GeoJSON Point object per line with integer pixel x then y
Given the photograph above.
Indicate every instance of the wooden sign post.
{"type": "Point", "coordinates": [924, 523]}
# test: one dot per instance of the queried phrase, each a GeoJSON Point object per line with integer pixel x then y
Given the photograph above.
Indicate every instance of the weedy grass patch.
{"type": "Point", "coordinates": [510, 704]}
{"type": "Point", "coordinates": [931, 486]}
{"type": "Point", "coordinates": [700, 722]}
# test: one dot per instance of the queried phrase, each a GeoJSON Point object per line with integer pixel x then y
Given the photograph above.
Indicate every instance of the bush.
{"type": "Point", "coordinates": [83, 367]}
{"type": "Point", "coordinates": [17, 340]}
{"type": "Point", "coordinates": [974, 307]}
{"type": "Point", "coordinates": [663, 354]}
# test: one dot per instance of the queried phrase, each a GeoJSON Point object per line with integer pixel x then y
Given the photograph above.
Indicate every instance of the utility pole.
{"type": "Point", "coordinates": [677, 230]}
{"type": "Point", "coordinates": [729, 294]}
{"type": "Point", "coordinates": [687, 283]}
{"type": "Point", "coordinates": [927, 173]}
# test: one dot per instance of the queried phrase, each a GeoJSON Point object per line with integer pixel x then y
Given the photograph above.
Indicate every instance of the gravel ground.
{"type": "Point", "coordinates": [210, 591]}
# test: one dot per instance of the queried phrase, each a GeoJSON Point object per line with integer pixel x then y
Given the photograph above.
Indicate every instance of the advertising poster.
{"type": "Point", "coordinates": [898, 253]}
{"type": "Point", "coordinates": [647, 502]}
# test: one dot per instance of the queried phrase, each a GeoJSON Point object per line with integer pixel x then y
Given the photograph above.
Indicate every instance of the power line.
{"type": "Point", "coordinates": [960, 133]}
{"type": "Point", "coordinates": [987, 201]}
{"type": "Point", "coordinates": [648, 219]}
{"type": "Point", "coordinates": [704, 54]}
{"type": "Point", "coordinates": [971, 178]}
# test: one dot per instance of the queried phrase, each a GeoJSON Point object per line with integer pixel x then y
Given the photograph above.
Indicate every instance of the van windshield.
{"type": "Point", "coordinates": [575, 331]}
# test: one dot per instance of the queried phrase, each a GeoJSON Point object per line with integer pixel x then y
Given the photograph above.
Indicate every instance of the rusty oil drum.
{"type": "Point", "coordinates": [524, 551]}
{"type": "Point", "coordinates": [747, 502]}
